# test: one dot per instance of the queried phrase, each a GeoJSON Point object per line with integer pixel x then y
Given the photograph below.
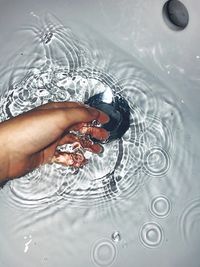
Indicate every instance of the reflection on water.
{"type": "Point", "coordinates": [57, 66]}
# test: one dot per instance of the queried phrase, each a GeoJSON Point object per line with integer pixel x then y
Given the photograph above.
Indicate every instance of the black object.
{"type": "Point", "coordinates": [177, 14]}
{"type": "Point", "coordinates": [117, 108]}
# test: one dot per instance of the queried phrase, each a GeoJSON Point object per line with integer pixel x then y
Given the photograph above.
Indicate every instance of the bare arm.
{"type": "Point", "coordinates": [31, 139]}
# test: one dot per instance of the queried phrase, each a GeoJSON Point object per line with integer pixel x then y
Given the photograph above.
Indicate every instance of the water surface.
{"type": "Point", "coordinates": [121, 200]}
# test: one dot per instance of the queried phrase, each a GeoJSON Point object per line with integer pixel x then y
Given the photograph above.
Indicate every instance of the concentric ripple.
{"type": "Point", "coordinates": [160, 206]}
{"type": "Point", "coordinates": [57, 66]}
{"type": "Point", "coordinates": [190, 221]}
{"type": "Point", "coordinates": [103, 253]}
{"type": "Point", "coordinates": [151, 235]}
{"type": "Point", "coordinates": [36, 189]}
{"type": "Point", "coordinates": [157, 162]}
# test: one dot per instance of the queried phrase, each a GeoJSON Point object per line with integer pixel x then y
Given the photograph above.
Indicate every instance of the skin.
{"type": "Point", "coordinates": [31, 139]}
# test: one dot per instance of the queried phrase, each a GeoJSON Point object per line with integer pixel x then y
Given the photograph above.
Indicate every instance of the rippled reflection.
{"type": "Point", "coordinates": [65, 68]}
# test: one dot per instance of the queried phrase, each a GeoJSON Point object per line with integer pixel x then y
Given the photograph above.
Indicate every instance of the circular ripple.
{"type": "Point", "coordinates": [103, 253]}
{"type": "Point", "coordinates": [190, 221]}
{"type": "Point", "coordinates": [35, 190]}
{"type": "Point", "coordinates": [156, 162]}
{"type": "Point", "coordinates": [160, 206]}
{"type": "Point", "coordinates": [151, 235]}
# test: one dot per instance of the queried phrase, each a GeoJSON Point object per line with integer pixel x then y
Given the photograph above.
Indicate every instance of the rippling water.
{"type": "Point", "coordinates": [57, 65]}
{"type": "Point", "coordinates": [73, 71]}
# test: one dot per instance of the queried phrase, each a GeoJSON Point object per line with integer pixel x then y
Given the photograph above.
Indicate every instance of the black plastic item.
{"type": "Point", "coordinates": [176, 14]}
{"type": "Point", "coordinates": [117, 109]}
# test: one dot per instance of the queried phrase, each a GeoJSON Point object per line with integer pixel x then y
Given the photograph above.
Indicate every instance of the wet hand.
{"type": "Point", "coordinates": [31, 139]}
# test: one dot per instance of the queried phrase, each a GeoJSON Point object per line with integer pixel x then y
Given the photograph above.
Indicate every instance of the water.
{"type": "Point", "coordinates": [117, 109]}
{"type": "Point", "coordinates": [116, 236]}
{"type": "Point", "coordinates": [104, 253]}
{"type": "Point", "coordinates": [160, 206]}
{"type": "Point", "coordinates": [151, 235]}
{"type": "Point", "coordinates": [134, 186]}
{"type": "Point", "coordinates": [69, 72]}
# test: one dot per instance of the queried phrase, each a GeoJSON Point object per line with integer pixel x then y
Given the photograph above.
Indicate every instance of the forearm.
{"type": "Point", "coordinates": [4, 162]}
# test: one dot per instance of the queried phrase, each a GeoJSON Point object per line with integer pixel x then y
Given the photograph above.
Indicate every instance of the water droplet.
{"type": "Point", "coordinates": [151, 235]}
{"type": "Point", "coordinates": [116, 236]}
{"type": "Point", "coordinates": [103, 252]}
{"type": "Point", "coordinates": [26, 246]}
{"type": "Point", "coordinates": [160, 206]}
{"type": "Point", "coordinates": [46, 38]}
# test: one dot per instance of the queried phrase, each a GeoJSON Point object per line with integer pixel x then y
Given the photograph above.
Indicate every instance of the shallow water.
{"type": "Point", "coordinates": [121, 202]}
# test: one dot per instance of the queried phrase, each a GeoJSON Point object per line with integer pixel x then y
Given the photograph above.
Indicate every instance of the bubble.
{"type": "Point", "coordinates": [116, 236]}
{"type": "Point", "coordinates": [151, 235]}
{"type": "Point", "coordinates": [104, 253]}
{"type": "Point", "coordinates": [156, 162]}
{"type": "Point", "coordinates": [160, 206]}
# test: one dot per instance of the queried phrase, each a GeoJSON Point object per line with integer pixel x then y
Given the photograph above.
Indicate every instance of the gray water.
{"type": "Point", "coordinates": [133, 204]}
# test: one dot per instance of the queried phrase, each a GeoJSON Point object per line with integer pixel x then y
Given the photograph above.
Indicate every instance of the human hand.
{"type": "Point", "coordinates": [31, 139]}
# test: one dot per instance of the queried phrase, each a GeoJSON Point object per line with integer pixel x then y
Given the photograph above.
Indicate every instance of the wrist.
{"type": "Point", "coordinates": [4, 164]}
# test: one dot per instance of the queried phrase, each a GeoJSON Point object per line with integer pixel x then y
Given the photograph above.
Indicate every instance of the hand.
{"type": "Point", "coordinates": [31, 139]}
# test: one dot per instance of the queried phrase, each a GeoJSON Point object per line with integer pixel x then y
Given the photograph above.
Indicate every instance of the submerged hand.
{"type": "Point", "coordinates": [31, 139]}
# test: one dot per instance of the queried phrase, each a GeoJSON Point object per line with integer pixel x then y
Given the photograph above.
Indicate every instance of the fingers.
{"type": "Point", "coordinates": [95, 132]}
{"type": "Point", "coordinates": [69, 159]}
{"type": "Point", "coordinates": [56, 105]}
{"type": "Point", "coordinates": [89, 111]}
{"type": "Point", "coordinates": [68, 139]}
{"type": "Point", "coordinates": [73, 116]}
{"type": "Point", "coordinates": [81, 142]}
{"type": "Point", "coordinates": [102, 117]}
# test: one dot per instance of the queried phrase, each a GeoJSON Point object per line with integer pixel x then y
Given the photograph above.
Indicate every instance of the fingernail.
{"type": "Point", "coordinates": [106, 118]}
{"type": "Point", "coordinates": [102, 150]}
{"type": "Point", "coordinates": [107, 137]}
{"type": "Point", "coordinates": [93, 111]}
